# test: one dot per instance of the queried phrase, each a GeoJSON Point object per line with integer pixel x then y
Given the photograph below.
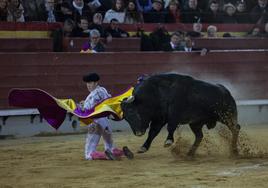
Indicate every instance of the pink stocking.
{"type": "Point", "coordinates": [97, 155]}
{"type": "Point", "coordinates": [117, 152]}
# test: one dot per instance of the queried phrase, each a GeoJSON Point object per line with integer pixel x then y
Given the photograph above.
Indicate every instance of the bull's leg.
{"type": "Point", "coordinates": [197, 130]}
{"type": "Point", "coordinates": [170, 138]}
{"type": "Point", "coordinates": [153, 132]}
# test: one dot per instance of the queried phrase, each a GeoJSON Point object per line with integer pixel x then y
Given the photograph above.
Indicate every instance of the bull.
{"type": "Point", "coordinates": [173, 100]}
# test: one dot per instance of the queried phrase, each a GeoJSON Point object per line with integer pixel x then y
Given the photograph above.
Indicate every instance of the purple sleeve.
{"type": "Point", "coordinates": [85, 46]}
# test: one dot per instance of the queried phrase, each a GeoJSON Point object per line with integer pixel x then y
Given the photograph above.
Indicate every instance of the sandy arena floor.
{"type": "Point", "coordinates": [58, 162]}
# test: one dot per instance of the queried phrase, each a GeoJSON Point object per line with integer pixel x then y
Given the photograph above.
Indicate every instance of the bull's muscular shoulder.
{"type": "Point", "coordinates": [169, 77]}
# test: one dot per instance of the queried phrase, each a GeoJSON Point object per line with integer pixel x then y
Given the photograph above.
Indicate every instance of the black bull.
{"type": "Point", "coordinates": [174, 99]}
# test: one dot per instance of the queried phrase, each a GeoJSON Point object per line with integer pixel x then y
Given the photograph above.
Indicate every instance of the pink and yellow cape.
{"type": "Point", "coordinates": [54, 110]}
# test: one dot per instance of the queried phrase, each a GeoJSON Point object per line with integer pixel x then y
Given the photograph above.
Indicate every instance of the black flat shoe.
{"type": "Point", "coordinates": [110, 155]}
{"type": "Point", "coordinates": [128, 153]}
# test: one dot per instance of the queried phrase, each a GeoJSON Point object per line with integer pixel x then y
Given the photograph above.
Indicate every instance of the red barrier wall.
{"type": "Point", "coordinates": [243, 72]}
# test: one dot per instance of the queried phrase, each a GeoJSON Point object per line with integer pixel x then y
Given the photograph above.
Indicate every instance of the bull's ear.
{"type": "Point", "coordinates": [130, 99]}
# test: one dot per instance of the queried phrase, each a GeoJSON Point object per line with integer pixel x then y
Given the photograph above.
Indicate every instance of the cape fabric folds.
{"type": "Point", "coordinates": [54, 110]}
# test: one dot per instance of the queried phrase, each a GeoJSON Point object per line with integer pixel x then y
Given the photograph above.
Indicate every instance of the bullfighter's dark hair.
{"type": "Point", "coordinates": [91, 77]}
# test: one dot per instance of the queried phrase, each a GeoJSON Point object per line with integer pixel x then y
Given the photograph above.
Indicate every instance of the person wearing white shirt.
{"type": "Point", "coordinates": [117, 12]}
{"type": "Point", "coordinates": [100, 126]}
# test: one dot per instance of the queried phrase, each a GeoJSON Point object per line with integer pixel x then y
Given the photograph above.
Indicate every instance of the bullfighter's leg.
{"type": "Point", "coordinates": [197, 130]}
{"type": "Point", "coordinates": [153, 132]}
{"type": "Point", "coordinates": [170, 138]}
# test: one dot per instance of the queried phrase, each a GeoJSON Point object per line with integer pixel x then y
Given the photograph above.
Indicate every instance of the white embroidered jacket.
{"type": "Point", "coordinates": [96, 96]}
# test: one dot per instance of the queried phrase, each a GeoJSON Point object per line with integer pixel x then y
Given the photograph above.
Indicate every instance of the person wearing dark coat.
{"type": "Point", "coordinates": [229, 14]}
{"type": "Point", "coordinates": [97, 24]}
{"type": "Point", "coordinates": [82, 29]}
{"type": "Point", "coordinates": [157, 14]}
{"type": "Point", "coordinates": [213, 14]}
{"type": "Point", "coordinates": [259, 14]}
{"type": "Point", "coordinates": [64, 12]}
{"type": "Point", "coordinates": [192, 13]}
{"type": "Point", "coordinates": [114, 30]}
{"type": "Point", "coordinates": [242, 14]}
{"type": "Point", "coordinates": [94, 45]}
{"type": "Point", "coordinates": [175, 43]}
{"type": "Point", "coordinates": [81, 9]}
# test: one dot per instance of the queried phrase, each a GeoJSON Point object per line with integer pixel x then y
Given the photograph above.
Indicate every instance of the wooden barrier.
{"type": "Point", "coordinates": [26, 45]}
{"type": "Point", "coordinates": [116, 45]}
{"type": "Point", "coordinates": [243, 72]}
{"type": "Point", "coordinates": [69, 45]}
{"type": "Point", "coordinates": [231, 43]}
{"type": "Point", "coordinates": [126, 44]}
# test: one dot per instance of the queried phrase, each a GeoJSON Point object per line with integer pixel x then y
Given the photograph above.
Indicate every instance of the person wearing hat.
{"type": "Point", "coordinates": [229, 14]}
{"type": "Point", "coordinates": [100, 126]}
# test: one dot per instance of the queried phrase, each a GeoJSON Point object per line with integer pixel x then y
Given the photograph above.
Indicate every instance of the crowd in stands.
{"type": "Point", "coordinates": [102, 18]}
{"type": "Point", "coordinates": [137, 11]}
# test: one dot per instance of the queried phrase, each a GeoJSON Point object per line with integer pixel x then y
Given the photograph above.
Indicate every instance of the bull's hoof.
{"type": "Point", "coordinates": [191, 154]}
{"type": "Point", "coordinates": [168, 143]}
{"type": "Point", "coordinates": [142, 150]}
{"type": "Point", "coordinates": [234, 153]}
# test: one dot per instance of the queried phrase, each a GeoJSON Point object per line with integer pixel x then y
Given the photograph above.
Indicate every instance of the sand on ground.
{"type": "Point", "coordinates": [57, 161]}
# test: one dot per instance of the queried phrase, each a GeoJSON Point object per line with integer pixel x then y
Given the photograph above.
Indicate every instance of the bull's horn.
{"type": "Point", "coordinates": [130, 99]}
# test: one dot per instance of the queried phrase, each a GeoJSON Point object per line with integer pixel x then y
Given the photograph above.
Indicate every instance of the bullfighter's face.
{"type": "Point", "coordinates": [134, 118]}
{"type": "Point", "coordinates": [91, 86]}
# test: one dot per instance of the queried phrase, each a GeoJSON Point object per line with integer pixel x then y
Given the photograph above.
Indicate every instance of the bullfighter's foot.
{"type": "Point", "coordinates": [142, 150]}
{"type": "Point", "coordinates": [110, 155]}
{"type": "Point", "coordinates": [128, 153]}
{"type": "Point", "coordinates": [168, 143]}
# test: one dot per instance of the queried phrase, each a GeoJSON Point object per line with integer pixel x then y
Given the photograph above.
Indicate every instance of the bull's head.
{"type": "Point", "coordinates": [134, 116]}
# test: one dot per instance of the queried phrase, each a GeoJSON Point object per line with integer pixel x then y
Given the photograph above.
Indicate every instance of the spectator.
{"type": "Point", "coordinates": [64, 13]}
{"type": "Point", "coordinates": [197, 30]}
{"type": "Point", "coordinates": [15, 11]}
{"type": "Point", "coordinates": [265, 33]}
{"type": "Point", "coordinates": [94, 45]}
{"type": "Point", "coordinates": [211, 31]}
{"type": "Point", "coordinates": [156, 14]}
{"type": "Point", "coordinates": [213, 14]}
{"type": "Point", "coordinates": [174, 14]}
{"type": "Point", "coordinates": [132, 13]}
{"type": "Point", "coordinates": [226, 35]}
{"type": "Point", "coordinates": [68, 28]}
{"type": "Point", "coordinates": [144, 5]}
{"type": "Point", "coordinates": [97, 24]}
{"type": "Point", "coordinates": [105, 6]}
{"type": "Point", "coordinates": [117, 12]}
{"type": "Point", "coordinates": [255, 32]}
{"type": "Point", "coordinates": [159, 37]}
{"type": "Point", "coordinates": [114, 30]}
{"type": "Point", "coordinates": [80, 9]}
{"type": "Point", "coordinates": [82, 29]}
{"type": "Point", "coordinates": [189, 46]}
{"type": "Point", "coordinates": [259, 14]}
{"type": "Point", "coordinates": [94, 5]}
{"type": "Point", "coordinates": [229, 14]}
{"type": "Point", "coordinates": [48, 11]}
{"type": "Point", "coordinates": [3, 10]}
{"type": "Point", "coordinates": [192, 13]}
{"type": "Point", "coordinates": [242, 13]}
{"type": "Point", "coordinates": [175, 43]}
